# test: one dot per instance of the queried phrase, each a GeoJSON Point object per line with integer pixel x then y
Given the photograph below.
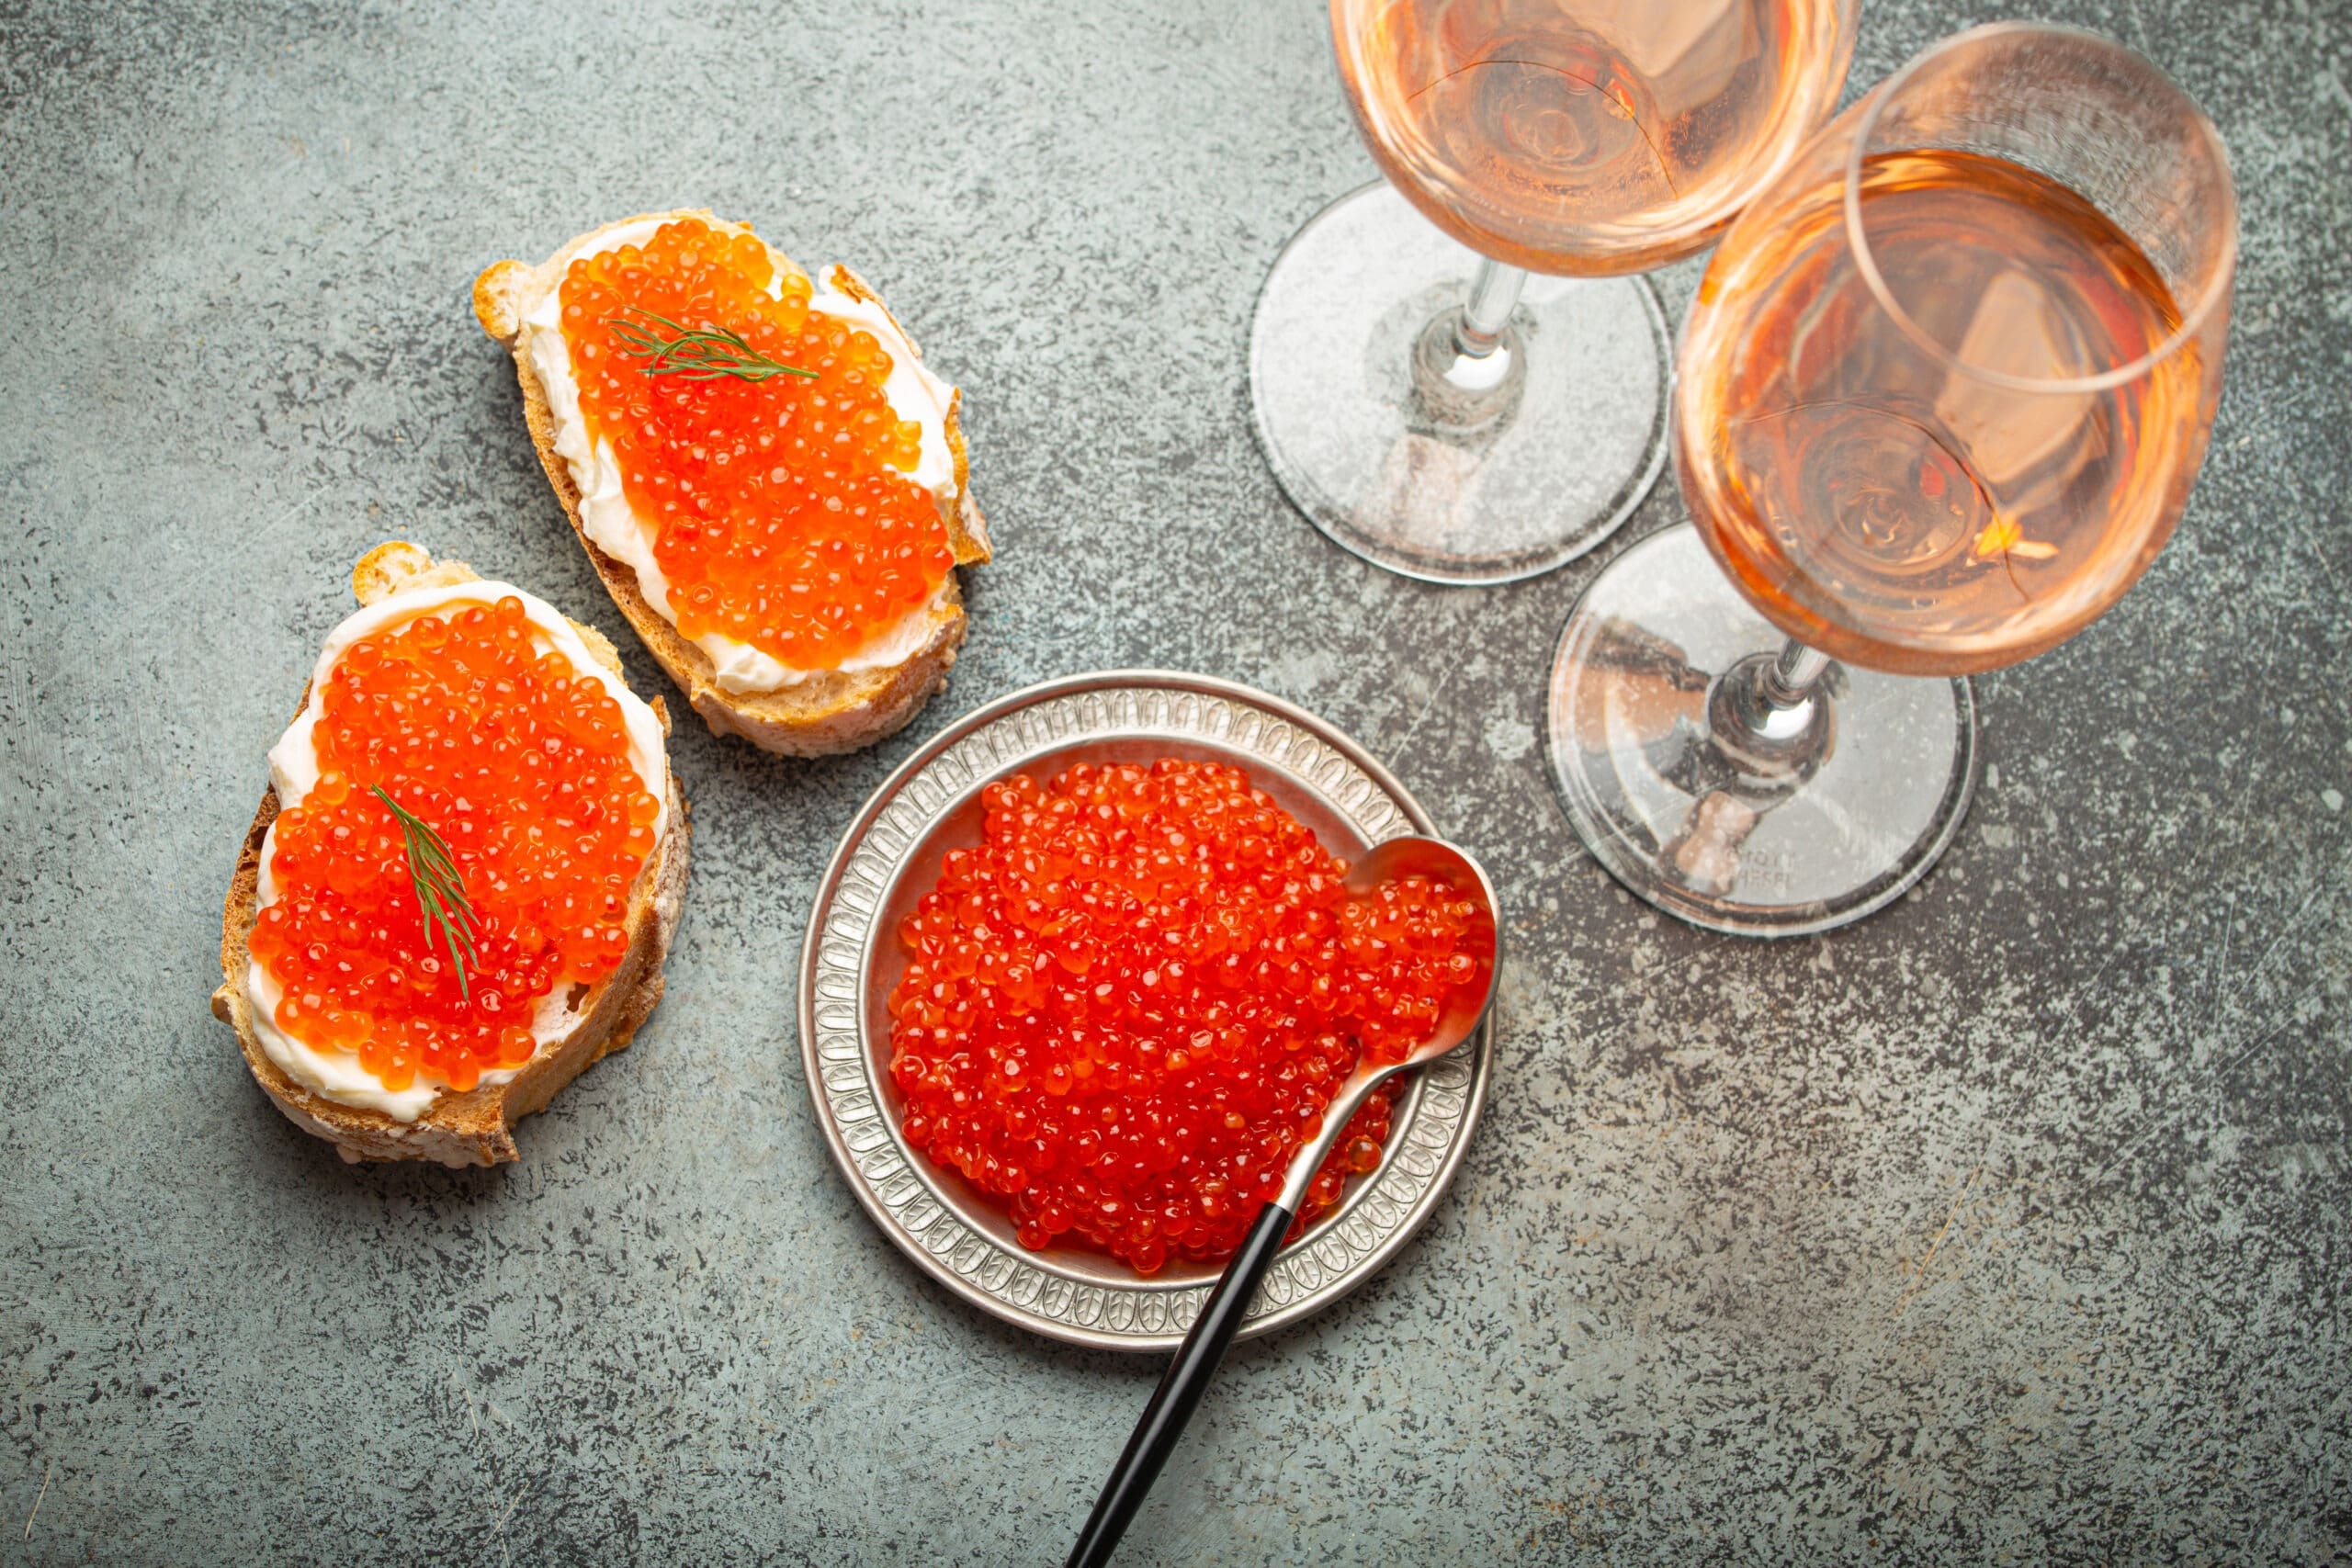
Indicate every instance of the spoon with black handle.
{"type": "Point", "coordinates": [1187, 1379]}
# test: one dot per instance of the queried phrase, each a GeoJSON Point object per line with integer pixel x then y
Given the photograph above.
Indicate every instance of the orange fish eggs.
{"type": "Point", "coordinates": [783, 514]}
{"type": "Point", "coordinates": [522, 765]}
{"type": "Point", "coordinates": [1127, 1007]}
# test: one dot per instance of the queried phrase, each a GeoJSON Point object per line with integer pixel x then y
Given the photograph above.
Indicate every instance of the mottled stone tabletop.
{"type": "Point", "coordinates": [2014, 1224]}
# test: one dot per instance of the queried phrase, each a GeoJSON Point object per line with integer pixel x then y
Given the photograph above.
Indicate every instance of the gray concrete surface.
{"type": "Point", "coordinates": [2014, 1225]}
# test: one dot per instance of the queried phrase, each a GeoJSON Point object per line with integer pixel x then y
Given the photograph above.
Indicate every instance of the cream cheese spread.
{"type": "Point", "coordinates": [294, 771]}
{"type": "Point", "coordinates": [607, 517]}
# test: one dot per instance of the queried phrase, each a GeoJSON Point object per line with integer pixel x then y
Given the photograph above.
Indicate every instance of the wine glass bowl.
{"type": "Point", "coordinates": [1593, 140]}
{"type": "Point", "coordinates": [1944, 394]}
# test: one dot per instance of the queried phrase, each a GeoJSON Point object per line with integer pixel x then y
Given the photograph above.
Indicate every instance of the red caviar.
{"type": "Point", "coordinates": [521, 764]}
{"type": "Point", "coordinates": [783, 512]}
{"type": "Point", "coordinates": [1126, 1008]}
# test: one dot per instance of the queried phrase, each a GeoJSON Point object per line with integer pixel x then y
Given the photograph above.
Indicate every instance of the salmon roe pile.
{"type": "Point", "coordinates": [1127, 1007]}
{"type": "Point", "coordinates": [521, 764]}
{"type": "Point", "coordinates": [783, 512]}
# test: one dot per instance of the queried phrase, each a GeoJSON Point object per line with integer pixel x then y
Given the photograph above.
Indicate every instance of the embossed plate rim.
{"type": "Point", "coordinates": [891, 1181]}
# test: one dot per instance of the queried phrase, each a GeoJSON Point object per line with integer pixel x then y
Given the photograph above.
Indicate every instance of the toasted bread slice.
{"type": "Point", "coordinates": [836, 711]}
{"type": "Point", "coordinates": [476, 1127]}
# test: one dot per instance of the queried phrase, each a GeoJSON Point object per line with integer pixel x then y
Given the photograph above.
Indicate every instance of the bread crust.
{"type": "Point", "coordinates": [476, 1127]}
{"type": "Point", "coordinates": [834, 712]}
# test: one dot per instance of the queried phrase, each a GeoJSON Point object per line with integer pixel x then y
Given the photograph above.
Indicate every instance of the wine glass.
{"type": "Point", "coordinates": [1941, 402]}
{"type": "Point", "coordinates": [1464, 428]}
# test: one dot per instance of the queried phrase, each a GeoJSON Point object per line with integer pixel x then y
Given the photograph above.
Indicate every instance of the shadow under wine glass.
{"type": "Point", "coordinates": [1473, 424]}
{"type": "Point", "coordinates": [1940, 403]}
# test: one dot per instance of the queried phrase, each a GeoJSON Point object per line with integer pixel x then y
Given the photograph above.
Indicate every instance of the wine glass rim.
{"type": "Point", "coordinates": [2191, 321]}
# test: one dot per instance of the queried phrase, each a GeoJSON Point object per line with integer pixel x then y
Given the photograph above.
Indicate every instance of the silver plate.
{"type": "Point", "coordinates": [890, 857]}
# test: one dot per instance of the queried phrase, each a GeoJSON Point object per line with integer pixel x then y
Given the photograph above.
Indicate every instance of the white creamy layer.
{"type": "Point", "coordinates": [294, 771]}
{"type": "Point", "coordinates": [607, 518]}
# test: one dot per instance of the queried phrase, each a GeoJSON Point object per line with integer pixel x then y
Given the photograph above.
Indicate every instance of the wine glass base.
{"type": "Point", "coordinates": [1659, 806]}
{"type": "Point", "coordinates": [1367, 459]}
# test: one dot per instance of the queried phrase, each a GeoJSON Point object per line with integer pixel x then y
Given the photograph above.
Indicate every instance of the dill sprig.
{"type": "Point", "coordinates": [698, 353]}
{"type": "Point", "coordinates": [440, 891]}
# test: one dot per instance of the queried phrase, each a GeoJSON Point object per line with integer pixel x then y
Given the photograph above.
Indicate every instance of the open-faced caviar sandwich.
{"type": "Point", "coordinates": [1126, 1008]}
{"type": "Point", "coordinates": [462, 884]}
{"type": "Point", "coordinates": [769, 479]}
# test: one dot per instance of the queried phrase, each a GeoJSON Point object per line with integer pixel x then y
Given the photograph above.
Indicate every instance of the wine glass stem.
{"type": "Point", "coordinates": [1467, 372]}
{"type": "Point", "coordinates": [1494, 294]}
{"type": "Point", "coordinates": [1794, 674]}
{"type": "Point", "coordinates": [1768, 715]}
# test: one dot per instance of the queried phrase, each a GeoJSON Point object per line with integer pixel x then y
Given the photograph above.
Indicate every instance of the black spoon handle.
{"type": "Point", "coordinates": [1179, 1394]}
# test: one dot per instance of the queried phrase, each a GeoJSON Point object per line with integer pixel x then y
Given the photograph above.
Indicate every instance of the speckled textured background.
{"type": "Point", "coordinates": [2014, 1223]}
